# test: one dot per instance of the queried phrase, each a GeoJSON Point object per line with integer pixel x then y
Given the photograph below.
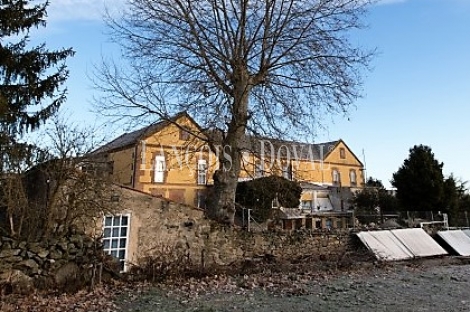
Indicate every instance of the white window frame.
{"type": "Point", "coordinates": [159, 170]}
{"type": "Point", "coordinates": [353, 176]}
{"type": "Point", "coordinates": [285, 171]}
{"type": "Point", "coordinates": [288, 172]}
{"type": "Point", "coordinates": [201, 172]}
{"type": "Point", "coordinates": [115, 227]}
{"type": "Point", "coordinates": [336, 176]}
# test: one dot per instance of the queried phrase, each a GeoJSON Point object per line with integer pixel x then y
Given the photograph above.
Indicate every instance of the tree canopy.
{"type": "Point", "coordinates": [373, 201]}
{"type": "Point", "coordinates": [31, 91]}
{"type": "Point", "coordinates": [258, 194]}
{"type": "Point", "coordinates": [420, 181]}
{"type": "Point", "coordinates": [30, 77]}
{"type": "Point", "coordinates": [269, 67]}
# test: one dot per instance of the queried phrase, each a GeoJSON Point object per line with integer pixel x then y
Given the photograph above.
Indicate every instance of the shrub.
{"type": "Point", "coordinates": [258, 195]}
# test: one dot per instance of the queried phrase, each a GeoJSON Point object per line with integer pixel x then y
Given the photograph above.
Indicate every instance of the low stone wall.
{"type": "Point", "coordinates": [214, 245]}
{"type": "Point", "coordinates": [161, 227]}
{"type": "Point", "coordinates": [223, 247]}
{"type": "Point", "coordinates": [51, 263]}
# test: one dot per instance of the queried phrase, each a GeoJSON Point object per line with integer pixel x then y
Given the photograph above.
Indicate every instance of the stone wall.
{"type": "Point", "coordinates": [223, 247]}
{"type": "Point", "coordinates": [50, 263]}
{"type": "Point", "coordinates": [160, 227]}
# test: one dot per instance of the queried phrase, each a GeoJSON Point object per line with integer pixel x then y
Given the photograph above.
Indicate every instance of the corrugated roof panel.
{"type": "Point", "coordinates": [418, 242]}
{"type": "Point", "coordinates": [384, 245]}
{"type": "Point", "coordinates": [457, 240]}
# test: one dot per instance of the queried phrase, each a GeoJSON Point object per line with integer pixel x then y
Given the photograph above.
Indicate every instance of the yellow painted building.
{"type": "Point", "coordinates": [171, 159]}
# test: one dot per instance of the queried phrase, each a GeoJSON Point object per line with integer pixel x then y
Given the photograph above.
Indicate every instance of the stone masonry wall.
{"type": "Point", "coordinates": [50, 263]}
{"type": "Point", "coordinates": [159, 226]}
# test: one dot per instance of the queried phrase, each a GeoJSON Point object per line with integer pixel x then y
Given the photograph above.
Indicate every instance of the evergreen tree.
{"type": "Point", "coordinates": [419, 181]}
{"type": "Point", "coordinates": [30, 77]}
{"type": "Point", "coordinates": [372, 201]}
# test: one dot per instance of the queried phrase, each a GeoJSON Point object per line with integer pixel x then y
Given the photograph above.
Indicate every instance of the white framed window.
{"type": "Point", "coordinates": [285, 171]}
{"type": "Point", "coordinates": [259, 169]}
{"type": "Point", "coordinates": [352, 177]}
{"type": "Point", "coordinates": [288, 172]}
{"type": "Point", "coordinates": [159, 173]}
{"type": "Point", "coordinates": [116, 237]}
{"type": "Point", "coordinates": [336, 177]}
{"type": "Point", "coordinates": [201, 171]}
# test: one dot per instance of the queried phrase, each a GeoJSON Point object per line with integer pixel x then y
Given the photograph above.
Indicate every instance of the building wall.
{"type": "Point", "coordinates": [181, 154]}
{"type": "Point", "coordinates": [159, 227]}
{"type": "Point", "coordinates": [344, 165]}
{"type": "Point", "coordinates": [315, 171]}
{"type": "Point", "coordinates": [123, 165]}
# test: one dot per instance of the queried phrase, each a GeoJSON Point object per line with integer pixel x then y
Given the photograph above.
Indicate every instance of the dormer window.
{"type": "Point", "coordinates": [184, 134]}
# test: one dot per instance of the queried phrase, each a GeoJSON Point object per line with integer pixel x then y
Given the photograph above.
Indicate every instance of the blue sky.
{"type": "Point", "coordinates": [418, 91]}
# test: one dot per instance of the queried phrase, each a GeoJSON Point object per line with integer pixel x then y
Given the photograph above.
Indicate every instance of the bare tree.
{"type": "Point", "coordinates": [55, 187]}
{"type": "Point", "coordinates": [78, 188]}
{"type": "Point", "coordinates": [269, 67]}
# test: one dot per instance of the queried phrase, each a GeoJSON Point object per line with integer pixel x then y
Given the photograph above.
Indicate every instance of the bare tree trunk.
{"type": "Point", "coordinates": [222, 206]}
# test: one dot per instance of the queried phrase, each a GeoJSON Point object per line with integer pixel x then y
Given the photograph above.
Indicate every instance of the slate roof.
{"type": "Point", "coordinates": [289, 149]}
{"type": "Point", "coordinates": [131, 138]}
{"type": "Point", "coordinates": [282, 148]}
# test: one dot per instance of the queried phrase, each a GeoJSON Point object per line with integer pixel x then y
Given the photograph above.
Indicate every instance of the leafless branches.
{"type": "Point", "coordinates": [269, 67]}
{"type": "Point", "coordinates": [293, 56]}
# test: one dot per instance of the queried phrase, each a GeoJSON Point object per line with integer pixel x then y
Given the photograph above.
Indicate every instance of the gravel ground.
{"type": "Point", "coordinates": [428, 285]}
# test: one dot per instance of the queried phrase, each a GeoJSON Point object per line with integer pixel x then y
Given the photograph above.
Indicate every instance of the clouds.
{"type": "Point", "coordinates": [62, 10]}
{"type": "Point", "coordinates": [90, 10]}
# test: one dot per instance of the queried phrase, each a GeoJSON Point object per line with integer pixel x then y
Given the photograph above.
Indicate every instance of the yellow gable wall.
{"type": "Point", "coordinates": [334, 156]}
{"type": "Point", "coordinates": [344, 165]}
{"type": "Point", "coordinates": [181, 159]}
{"type": "Point", "coordinates": [307, 170]}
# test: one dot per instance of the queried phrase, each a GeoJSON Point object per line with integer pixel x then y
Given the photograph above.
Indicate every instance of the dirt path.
{"type": "Point", "coordinates": [432, 286]}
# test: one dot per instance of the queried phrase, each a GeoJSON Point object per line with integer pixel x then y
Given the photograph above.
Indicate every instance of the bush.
{"type": "Point", "coordinates": [258, 195]}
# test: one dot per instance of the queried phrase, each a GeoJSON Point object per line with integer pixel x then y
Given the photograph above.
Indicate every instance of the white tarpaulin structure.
{"type": "Point", "coordinates": [384, 245]}
{"type": "Point", "coordinates": [457, 240]}
{"type": "Point", "coordinates": [419, 242]}
{"type": "Point", "coordinates": [467, 232]}
{"type": "Point", "coordinates": [400, 244]}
